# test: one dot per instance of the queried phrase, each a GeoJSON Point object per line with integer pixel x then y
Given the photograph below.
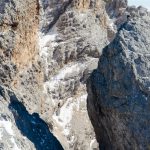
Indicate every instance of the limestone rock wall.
{"type": "Point", "coordinates": [20, 67]}
{"type": "Point", "coordinates": [72, 35]}
{"type": "Point", "coordinates": [48, 49]}
{"type": "Point", "coordinates": [118, 90]}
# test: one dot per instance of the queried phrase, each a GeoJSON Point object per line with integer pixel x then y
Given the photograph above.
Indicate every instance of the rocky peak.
{"type": "Point", "coordinates": [118, 91]}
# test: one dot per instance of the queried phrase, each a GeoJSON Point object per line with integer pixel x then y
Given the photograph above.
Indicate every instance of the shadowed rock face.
{"type": "Point", "coordinates": [33, 127]}
{"type": "Point", "coordinates": [119, 89]}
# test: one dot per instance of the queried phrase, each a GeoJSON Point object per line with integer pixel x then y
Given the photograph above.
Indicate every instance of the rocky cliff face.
{"type": "Point", "coordinates": [119, 89]}
{"type": "Point", "coordinates": [21, 78]}
{"type": "Point", "coordinates": [48, 49]}
{"type": "Point", "coordinates": [70, 52]}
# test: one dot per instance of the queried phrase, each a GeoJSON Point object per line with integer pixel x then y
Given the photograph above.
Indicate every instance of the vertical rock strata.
{"type": "Point", "coordinates": [19, 67]}
{"type": "Point", "coordinates": [20, 76]}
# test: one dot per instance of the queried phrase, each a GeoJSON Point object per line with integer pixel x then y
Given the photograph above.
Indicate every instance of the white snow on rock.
{"type": "Point", "coordinates": [44, 40]}
{"type": "Point", "coordinates": [15, 145]}
{"type": "Point", "coordinates": [47, 38]}
{"type": "Point", "coordinates": [1, 135]}
{"type": "Point", "coordinates": [69, 71]}
{"type": "Point", "coordinates": [7, 126]}
{"type": "Point", "coordinates": [111, 24]}
{"type": "Point", "coordinates": [93, 144]}
{"type": "Point", "coordinates": [65, 114]}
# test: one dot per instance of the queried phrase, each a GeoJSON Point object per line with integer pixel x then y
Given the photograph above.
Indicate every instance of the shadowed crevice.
{"type": "Point", "coordinates": [33, 127]}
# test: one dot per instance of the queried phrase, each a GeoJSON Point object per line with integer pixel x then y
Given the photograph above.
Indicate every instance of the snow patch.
{"type": "Point", "coordinates": [45, 43]}
{"type": "Point", "coordinates": [80, 100]}
{"type": "Point", "coordinates": [111, 24]}
{"type": "Point", "coordinates": [69, 71]}
{"type": "Point", "coordinates": [93, 144]}
{"type": "Point", "coordinates": [15, 145]}
{"type": "Point", "coordinates": [1, 131]}
{"type": "Point", "coordinates": [65, 114]}
{"type": "Point", "coordinates": [7, 125]}
{"type": "Point", "coordinates": [45, 39]}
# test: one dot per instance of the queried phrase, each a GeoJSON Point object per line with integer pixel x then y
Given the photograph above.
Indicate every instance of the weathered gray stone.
{"type": "Point", "coordinates": [19, 129]}
{"type": "Point", "coordinates": [48, 49]}
{"type": "Point", "coordinates": [72, 36]}
{"type": "Point", "coordinates": [119, 89]}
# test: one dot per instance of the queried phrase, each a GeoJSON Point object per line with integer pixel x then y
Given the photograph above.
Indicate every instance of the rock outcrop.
{"type": "Point", "coordinates": [119, 89]}
{"type": "Point", "coordinates": [20, 130]}
{"type": "Point", "coordinates": [21, 78]}
{"type": "Point", "coordinates": [72, 35]}
{"type": "Point", "coordinates": [48, 49]}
